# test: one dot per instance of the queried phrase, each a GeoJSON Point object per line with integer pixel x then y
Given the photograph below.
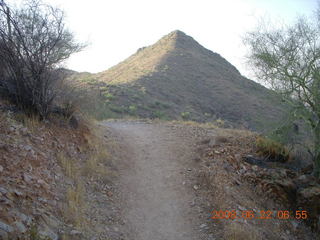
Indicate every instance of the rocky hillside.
{"type": "Point", "coordinates": [54, 178]}
{"type": "Point", "coordinates": [177, 78]}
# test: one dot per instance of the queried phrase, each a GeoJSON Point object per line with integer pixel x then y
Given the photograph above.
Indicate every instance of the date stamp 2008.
{"type": "Point", "coordinates": [263, 214]}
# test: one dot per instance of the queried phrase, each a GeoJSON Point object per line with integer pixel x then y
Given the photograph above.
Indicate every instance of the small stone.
{"type": "Point", "coordinates": [1, 169]}
{"type": "Point", "coordinates": [27, 148]}
{"type": "Point", "coordinates": [43, 200]}
{"type": "Point", "coordinates": [3, 235]}
{"type": "Point", "coordinates": [49, 234]}
{"type": "Point", "coordinates": [75, 232]}
{"type": "Point", "coordinates": [24, 218]}
{"type": "Point", "coordinates": [242, 208]}
{"type": "Point", "coordinates": [195, 187]}
{"type": "Point", "coordinates": [3, 190]}
{"type": "Point", "coordinates": [27, 178]}
{"type": "Point", "coordinates": [40, 181]}
{"type": "Point", "coordinates": [24, 131]}
{"type": "Point", "coordinates": [255, 168]}
{"type": "Point", "coordinates": [6, 227]}
{"type": "Point", "coordinates": [4, 147]}
{"type": "Point", "coordinates": [189, 169]}
{"type": "Point", "coordinates": [18, 193]}
{"type": "Point", "coordinates": [53, 202]}
{"type": "Point", "coordinates": [20, 227]}
{"type": "Point", "coordinates": [237, 182]}
{"type": "Point", "coordinates": [211, 237]}
{"type": "Point", "coordinates": [203, 225]}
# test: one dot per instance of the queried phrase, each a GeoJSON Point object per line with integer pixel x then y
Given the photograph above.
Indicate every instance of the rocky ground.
{"type": "Point", "coordinates": [55, 181]}
{"type": "Point", "coordinates": [142, 180]}
{"type": "Point", "coordinates": [229, 182]}
{"type": "Point", "coordinates": [173, 176]}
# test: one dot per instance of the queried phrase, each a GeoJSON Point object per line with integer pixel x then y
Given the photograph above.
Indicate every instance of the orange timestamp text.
{"type": "Point", "coordinates": [262, 214]}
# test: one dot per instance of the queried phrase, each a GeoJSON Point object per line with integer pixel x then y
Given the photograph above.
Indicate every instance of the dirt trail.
{"type": "Point", "coordinates": [155, 197]}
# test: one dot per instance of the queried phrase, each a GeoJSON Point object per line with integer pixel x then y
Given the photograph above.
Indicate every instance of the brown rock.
{"type": "Point", "coordinates": [305, 181]}
{"type": "Point", "coordinates": [19, 226]}
{"type": "Point", "coordinates": [3, 235]}
{"type": "Point", "coordinates": [27, 178]}
{"type": "Point", "coordinates": [308, 199]}
{"type": "Point", "coordinates": [4, 147]}
{"type": "Point", "coordinates": [308, 169]}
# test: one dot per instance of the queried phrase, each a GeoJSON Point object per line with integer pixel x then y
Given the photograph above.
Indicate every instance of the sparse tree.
{"type": "Point", "coordinates": [33, 42]}
{"type": "Point", "coordinates": [288, 60]}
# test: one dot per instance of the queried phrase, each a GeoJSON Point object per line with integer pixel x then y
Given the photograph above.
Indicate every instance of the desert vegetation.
{"type": "Point", "coordinates": [33, 42]}
{"type": "Point", "coordinates": [183, 141]}
{"type": "Point", "coordinates": [287, 60]}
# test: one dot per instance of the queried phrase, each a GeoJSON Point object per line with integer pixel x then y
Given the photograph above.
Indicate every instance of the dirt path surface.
{"type": "Point", "coordinates": [156, 201]}
{"type": "Point", "coordinates": [171, 176]}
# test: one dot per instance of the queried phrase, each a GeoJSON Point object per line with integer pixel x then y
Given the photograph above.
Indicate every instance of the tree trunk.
{"type": "Point", "coordinates": [317, 166]}
{"type": "Point", "coordinates": [317, 152]}
{"type": "Point", "coordinates": [9, 23]}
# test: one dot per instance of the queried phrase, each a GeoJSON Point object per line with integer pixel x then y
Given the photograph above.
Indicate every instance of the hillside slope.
{"type": "Point", "coordinates": [177, 78]}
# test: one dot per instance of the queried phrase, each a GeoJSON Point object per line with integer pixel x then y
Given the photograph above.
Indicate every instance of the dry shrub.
{"type": "Point", "coordinates": [207, 179]}
{"type": "Point", "coordinates": [29, 58]}
{"type": "Point", "coordinates": [272, 150]}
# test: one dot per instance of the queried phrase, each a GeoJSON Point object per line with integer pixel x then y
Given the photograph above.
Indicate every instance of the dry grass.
{"type": "Point", "coordinates": [75, 195]}
{"type": "Point", "coordinates": [31, 122]}
{"type": "Point", "coordinates": [237, 231]}
{"type": "Point", "coordinates": [271, 149]}
{"type": "Point", "coordinates": [217, 127]}
{"type": "Point", "coordinates": [68, 166]}
{"type": "Point", "coordinates": [2, 118]}
{"type": "Point", "coordinates": [76, 205]}
{"type": "Point", "coordinates": [207, 125]}
{"type": "Point", "coordinates": [94, 164]}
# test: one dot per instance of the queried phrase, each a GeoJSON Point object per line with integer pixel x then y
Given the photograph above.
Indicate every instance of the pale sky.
{"type": "Point", "coordinates": [115, 29]}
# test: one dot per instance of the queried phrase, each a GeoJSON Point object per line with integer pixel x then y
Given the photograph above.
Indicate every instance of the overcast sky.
{"type": "Point", "coordinates": [115, 29]}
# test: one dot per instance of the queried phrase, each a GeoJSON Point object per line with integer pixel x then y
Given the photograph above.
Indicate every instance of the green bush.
{"type": "Point", "coordinates": [159, 115]}
{"type": "Point", "coordinates": [132, 109]}
{"type": "Point", "coordinates": [185, 115]}
{"type": "Point", "coordinates": [108, 96]}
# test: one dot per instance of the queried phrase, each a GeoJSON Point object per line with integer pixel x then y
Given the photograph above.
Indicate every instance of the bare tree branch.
{"type": "Point", "coordinates": [288, 60]}
{"type": "Point", "coordinates": [33, 42]}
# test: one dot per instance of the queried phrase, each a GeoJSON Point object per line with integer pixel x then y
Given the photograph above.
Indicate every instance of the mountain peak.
{"type": "Point", "coordinates": [178, 37]}
{"type": "Point", "coordinates": [177, 75]}
{"type": "Point", "coordinates": [178, 33]}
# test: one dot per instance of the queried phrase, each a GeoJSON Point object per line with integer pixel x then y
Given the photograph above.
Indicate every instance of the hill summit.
{"type": "Point", "coordinates": [177, 78]}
